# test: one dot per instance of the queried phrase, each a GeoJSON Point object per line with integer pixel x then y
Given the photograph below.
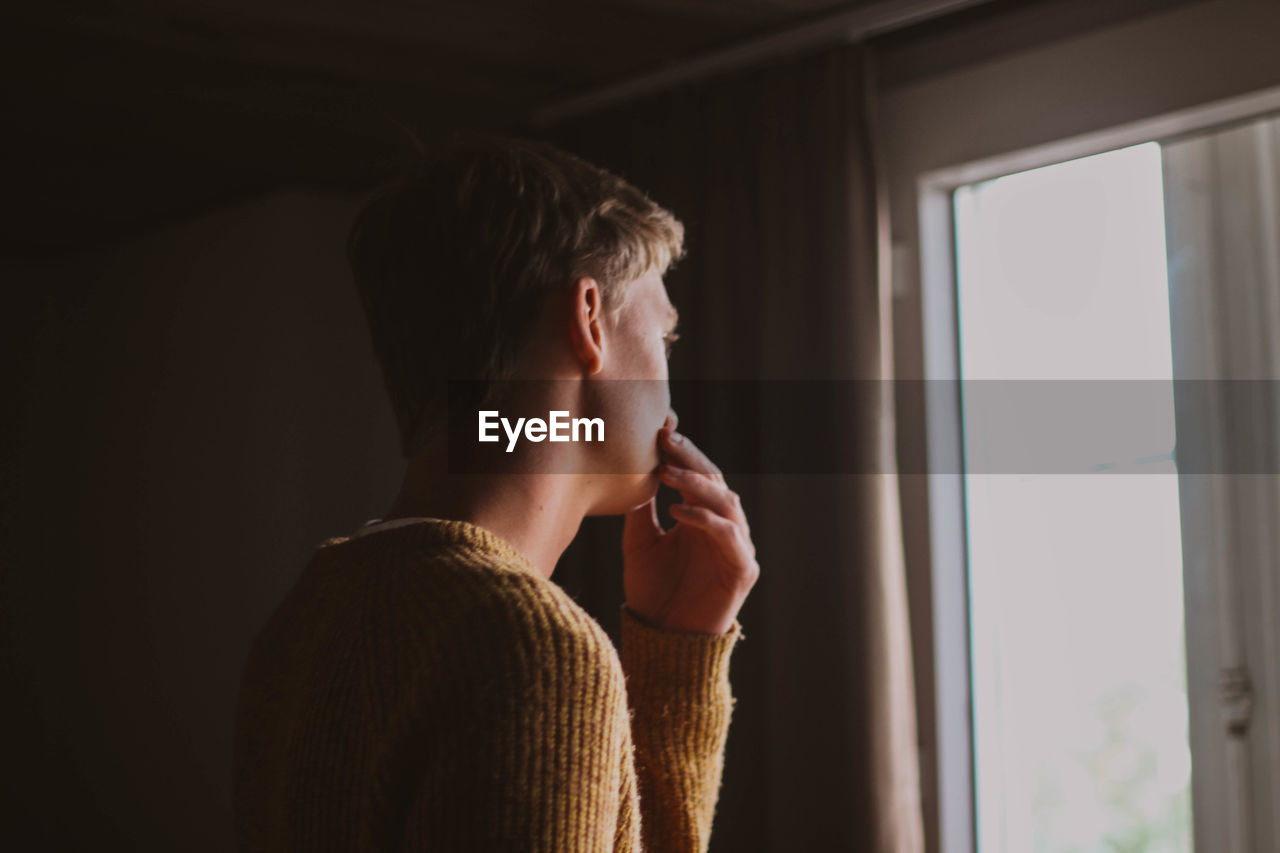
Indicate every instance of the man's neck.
{"type": "Point", "coordinates": [538, 514]}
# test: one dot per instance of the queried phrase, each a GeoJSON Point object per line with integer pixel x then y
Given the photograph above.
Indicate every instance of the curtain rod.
{"type": "Point", "coordinates": [850, 25]}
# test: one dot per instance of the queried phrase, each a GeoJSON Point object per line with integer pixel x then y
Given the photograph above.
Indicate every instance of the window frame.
{"type": "Point", "coordinates": [1218, 827]}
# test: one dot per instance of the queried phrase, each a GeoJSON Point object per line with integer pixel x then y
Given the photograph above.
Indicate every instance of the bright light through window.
{"type": "Point", "coordinates": [1076, 604]}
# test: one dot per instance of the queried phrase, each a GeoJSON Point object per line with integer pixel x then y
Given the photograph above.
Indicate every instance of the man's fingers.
{"type": "Point", "coordinates": [703, 490]}
{"type": "Point", "coordinates": [687, 455]}
{"type": "Point", "coordinates": [706, 519]}
{"type": "Point", "coordinates": [724, 531]}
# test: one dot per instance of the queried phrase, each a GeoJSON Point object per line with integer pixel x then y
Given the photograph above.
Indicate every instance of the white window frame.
{"type": "Point", "coordinates": [1220, 826]}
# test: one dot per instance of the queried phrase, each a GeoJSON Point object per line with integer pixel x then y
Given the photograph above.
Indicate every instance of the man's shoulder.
{"type": "Point", "coordinates": [524, 611]}
{"type": "Point", "coordinates": [503, 634]}
{"type": "Point", "coordinates": [478, 599]}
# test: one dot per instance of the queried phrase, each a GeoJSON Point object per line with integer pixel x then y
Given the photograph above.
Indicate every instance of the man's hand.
{"type": "Point", "coordinates": [695, 576]}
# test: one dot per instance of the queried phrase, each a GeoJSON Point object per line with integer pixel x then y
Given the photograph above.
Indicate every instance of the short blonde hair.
{"type": "Point", "coordinates": [454, 259]}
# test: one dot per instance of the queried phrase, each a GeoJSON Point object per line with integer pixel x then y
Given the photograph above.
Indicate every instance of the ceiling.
{"type": "Point", "coordinates": [120, 115]}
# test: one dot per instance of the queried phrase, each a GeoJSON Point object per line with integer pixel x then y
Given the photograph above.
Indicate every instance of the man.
{"type": "Point", "coordinates": [425, 685]}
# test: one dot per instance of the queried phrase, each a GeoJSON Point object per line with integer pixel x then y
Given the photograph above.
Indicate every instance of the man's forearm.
{"type": "Point", "coordinates": [681, 701]}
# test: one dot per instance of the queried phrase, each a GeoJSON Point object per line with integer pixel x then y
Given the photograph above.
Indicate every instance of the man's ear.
{"type": "Point", "coordinates": [587, 330]}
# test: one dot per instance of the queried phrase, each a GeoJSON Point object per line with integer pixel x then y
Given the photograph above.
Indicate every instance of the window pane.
{"type": "Point", "coordinates": [1075, 580]}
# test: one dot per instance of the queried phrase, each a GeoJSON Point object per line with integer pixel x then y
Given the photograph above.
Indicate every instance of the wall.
{"type": "Point", "coordinates": [188, 415]}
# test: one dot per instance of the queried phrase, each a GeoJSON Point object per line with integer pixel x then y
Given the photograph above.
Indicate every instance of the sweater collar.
{"type": "Point", "coordinates": [448, 531]}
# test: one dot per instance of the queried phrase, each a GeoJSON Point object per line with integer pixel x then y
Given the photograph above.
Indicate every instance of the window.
{"type": "Point", "coordinates": [1105, 600]}
{"type": "Point", "coordinates": [1080, 714]}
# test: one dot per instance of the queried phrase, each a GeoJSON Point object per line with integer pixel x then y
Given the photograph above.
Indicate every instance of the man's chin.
{"type": "Point", "coordinates": [651, 485]}
{"type": "Point", "coordinates": [629, 493]}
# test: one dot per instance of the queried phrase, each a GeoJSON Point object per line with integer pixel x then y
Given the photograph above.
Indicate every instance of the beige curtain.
{"type": "Point", "coordinates": [774, 174]}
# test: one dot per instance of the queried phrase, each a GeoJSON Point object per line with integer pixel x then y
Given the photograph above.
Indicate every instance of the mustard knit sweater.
{"type": "Point", "coordinates": [425, 688]}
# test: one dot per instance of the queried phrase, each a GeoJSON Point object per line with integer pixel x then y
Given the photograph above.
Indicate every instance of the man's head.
{"type": "Point", "coordinates": [457, 261]}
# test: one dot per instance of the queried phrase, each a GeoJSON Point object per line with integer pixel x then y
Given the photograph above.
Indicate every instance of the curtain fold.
{"type": "Point", "coordinates": [775, 175]}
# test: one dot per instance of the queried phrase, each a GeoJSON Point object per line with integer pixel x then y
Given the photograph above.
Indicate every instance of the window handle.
{"type": "Point", "coordinates": [1236, 691]}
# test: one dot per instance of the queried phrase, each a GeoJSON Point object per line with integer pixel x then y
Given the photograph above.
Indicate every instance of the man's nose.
{"type": "Point", "coordinates": [672, 419]}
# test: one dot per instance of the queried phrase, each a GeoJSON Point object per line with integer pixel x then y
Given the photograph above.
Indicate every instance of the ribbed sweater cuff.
{"type": "Point", "coordinates": [676, 664]}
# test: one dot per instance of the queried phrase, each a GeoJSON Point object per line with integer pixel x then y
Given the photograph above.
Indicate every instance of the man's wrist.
{"type": "Point", "coordinates": [721, 629]}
